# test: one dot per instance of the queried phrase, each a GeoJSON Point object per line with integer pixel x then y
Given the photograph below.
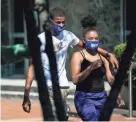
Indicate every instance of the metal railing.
{"type": "Point", "coordinates": [133, 64]}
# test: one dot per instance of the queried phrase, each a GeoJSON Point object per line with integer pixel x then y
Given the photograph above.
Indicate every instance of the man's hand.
{"type": "Point", "coordinates": [113, 61]}
{"type": "Point", "coordinates": [26, 104]}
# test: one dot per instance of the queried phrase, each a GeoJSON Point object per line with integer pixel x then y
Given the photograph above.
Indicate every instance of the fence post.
{"type": "Point", "coordinates": [130, 89]}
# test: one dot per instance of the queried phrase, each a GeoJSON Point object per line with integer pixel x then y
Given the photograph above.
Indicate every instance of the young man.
{"type": "Point", "coordinates": [62, 39]}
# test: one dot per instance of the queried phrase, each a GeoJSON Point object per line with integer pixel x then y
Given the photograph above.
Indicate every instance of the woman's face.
{"type": "Point", "coordinates": [92, 41]}
{"type": "Point", "coordinates": [91, 36]}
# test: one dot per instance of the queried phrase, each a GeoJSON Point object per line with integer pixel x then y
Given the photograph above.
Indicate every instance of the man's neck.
{"type": "Point", "coordinates": [54, 34]}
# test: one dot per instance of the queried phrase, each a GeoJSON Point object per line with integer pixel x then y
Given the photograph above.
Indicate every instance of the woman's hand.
{"type": "Point", "coordinates": [96, 64]}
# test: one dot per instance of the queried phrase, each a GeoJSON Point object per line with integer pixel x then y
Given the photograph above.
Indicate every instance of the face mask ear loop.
{"type": "Point", "coordinates": [83, 36]}
{"type": "Point", "coordinates": [83, 40]}
{"type": "Point", "coordinates": [50, 20]}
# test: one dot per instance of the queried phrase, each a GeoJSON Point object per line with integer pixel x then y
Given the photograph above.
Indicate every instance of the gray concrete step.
{"type": "Point", "coordinates": [15, 88]}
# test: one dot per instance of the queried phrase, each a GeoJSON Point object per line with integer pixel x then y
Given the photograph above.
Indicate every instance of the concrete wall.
{"type": "Point", "coordinates": [4, 32]}
{"type": "Point", "coordinates": [4, 22]}
{"type": "Point", "coordinates": [107, 13]}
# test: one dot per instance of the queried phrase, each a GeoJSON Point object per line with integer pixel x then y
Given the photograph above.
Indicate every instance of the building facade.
{"type": "Point", "coordinates": [13, 27]}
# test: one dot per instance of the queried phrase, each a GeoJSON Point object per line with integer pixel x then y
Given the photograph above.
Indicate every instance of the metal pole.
{"type": "Point", "coordinates": [124, 22]}
{"type": "Point", "coordinates": [133, 64]}
{"type": "Point", "coordinates": [130, 92]}
{"type": "Point", "coordinates": [121, 22]}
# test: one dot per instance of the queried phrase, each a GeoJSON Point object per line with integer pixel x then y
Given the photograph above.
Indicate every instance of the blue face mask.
{"type": "Point", "coordinates": [56, 28]}
{"type": "Point", "coordinates": [92, 45]}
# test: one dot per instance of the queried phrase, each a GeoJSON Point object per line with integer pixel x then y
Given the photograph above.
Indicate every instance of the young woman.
{"type": "Point", "coordinates": [88, 68]}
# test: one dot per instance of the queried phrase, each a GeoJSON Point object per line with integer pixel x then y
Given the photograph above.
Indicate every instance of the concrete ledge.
{"type": "Point", "coordinates": [15, 82]}
{"type": "Point", "coordinates": [15, 88]}
{"type": "Point", "coordinates": [21, 82]}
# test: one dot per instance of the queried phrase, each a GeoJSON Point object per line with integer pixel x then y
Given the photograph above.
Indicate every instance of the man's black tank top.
{"type": "Point", "coordinates": [94, 81]}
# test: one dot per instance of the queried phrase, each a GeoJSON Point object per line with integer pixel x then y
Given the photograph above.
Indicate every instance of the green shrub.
{"type": "Point", "coordinates": [118, 51]}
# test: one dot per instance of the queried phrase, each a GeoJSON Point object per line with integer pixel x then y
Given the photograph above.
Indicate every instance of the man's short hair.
{"type": "Point", "coordinates": [57, 12]}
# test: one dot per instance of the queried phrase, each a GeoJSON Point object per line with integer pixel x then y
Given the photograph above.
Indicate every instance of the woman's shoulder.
{"type": "Point", "coordinates": [78, 54]}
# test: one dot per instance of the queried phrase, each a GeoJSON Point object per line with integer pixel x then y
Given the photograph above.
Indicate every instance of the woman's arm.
{"type": "Point", "coordinates": [76, 61]}
{"type": "Point", "coordinates": [109, 75]}
{"type": "Point", "coordinates": [110, 78]}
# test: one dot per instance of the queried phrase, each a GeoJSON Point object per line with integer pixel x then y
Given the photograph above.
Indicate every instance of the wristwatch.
{"type": "Point", "coordinates": [107, 54]}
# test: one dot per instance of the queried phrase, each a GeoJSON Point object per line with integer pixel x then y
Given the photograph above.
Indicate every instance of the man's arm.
{"type": "Point", "coordinates": [29, 79]}
{"type": "Point", "coordinates": [26, 102]}
{"type": "Point", "coordinates": [112, 58]}
{"type": "Point", "coordinates": [81, 44]}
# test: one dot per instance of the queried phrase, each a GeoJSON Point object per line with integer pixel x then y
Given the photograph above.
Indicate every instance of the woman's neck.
{"type": "Point", "coordinates": [91, 52]}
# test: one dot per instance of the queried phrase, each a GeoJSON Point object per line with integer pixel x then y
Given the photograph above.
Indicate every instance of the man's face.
{"type": "Point", "coordinates": [60, 21]}
{"type": "Point", "coordinates": [58, 24]}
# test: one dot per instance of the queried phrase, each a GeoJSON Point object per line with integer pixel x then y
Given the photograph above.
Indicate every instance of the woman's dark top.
{"type": "Point", "coordinates": [94, 81]}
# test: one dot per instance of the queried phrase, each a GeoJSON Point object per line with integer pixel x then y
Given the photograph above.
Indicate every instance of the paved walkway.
{"type": "Point", "coordinates": [11, 110]}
